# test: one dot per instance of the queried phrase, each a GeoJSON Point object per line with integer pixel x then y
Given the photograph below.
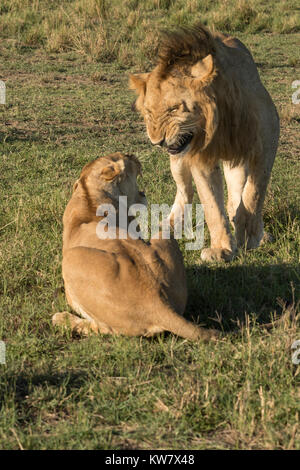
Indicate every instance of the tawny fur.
{"type": "Point", "coordinates": [123, 285]}
{"type": "Point", "coordinates": [207, 85]}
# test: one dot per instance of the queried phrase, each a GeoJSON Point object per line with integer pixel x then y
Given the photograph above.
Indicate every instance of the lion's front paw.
{"type": "Point", "coordinates": [216, 254]}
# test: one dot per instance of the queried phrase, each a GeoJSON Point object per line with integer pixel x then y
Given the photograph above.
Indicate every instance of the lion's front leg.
{"type": "Point", "coordinates": [210, 189]}
{"type": "Point", "coordinates": [181, 173]}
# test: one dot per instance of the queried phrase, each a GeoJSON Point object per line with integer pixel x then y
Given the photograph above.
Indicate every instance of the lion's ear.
{"type": "Point", "coordinates": [138, 82]}
{"type": "Point", "coordinates": [203, 69]}
{"type": "Point", "coordinates": [110, 172]}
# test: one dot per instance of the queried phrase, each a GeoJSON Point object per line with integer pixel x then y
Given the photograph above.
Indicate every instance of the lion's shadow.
{"type": "Point", "coordinates": [226, 295]}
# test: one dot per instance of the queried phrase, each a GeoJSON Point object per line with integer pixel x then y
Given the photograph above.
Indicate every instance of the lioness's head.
{"type": "Point", "coordinates": [175, 99]}
{"type": "Point", "coordinates": [113, 175]}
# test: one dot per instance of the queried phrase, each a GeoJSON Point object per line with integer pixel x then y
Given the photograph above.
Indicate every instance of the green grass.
{"type": "Point", "coordinates": [65, 106]}
{"type": "Point", "coordinates": [105, 30]}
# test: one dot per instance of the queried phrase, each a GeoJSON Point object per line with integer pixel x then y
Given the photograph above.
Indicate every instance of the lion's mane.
{"type": "Point", "coordinates": [232, 130]}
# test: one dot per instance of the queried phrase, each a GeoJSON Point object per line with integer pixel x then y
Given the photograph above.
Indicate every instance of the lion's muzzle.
{"type": "Point", "coordinates": [180, 144]}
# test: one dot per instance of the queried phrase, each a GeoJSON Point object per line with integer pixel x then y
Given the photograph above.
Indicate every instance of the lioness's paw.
{"type": "Point", "coordinates": [216, 254]}
{"type": "Point", "coordinates": [61, 318]}
{"type": "Point", "coordinates": [66, 320]}
{"type": "Point", "coordinates": [79, 326]}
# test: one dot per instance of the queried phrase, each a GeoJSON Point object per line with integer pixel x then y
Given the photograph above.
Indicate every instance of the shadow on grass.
{"type": "Point", "coordinates": [23, 383]}
{"type": "Point", "coordinates": [225, 295]}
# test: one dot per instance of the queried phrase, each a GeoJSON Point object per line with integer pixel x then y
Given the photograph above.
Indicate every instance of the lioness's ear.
{"type": "Point", "coordinates": [136, 163]}
{"type": "Point", "coordinates": [203, 69]}
{"type": "Point", "coordinates": [75, 185]}
{"type": "Point", "coordinates": [138, 82]}
{"type": "Point", "coordinates": [110, 172]}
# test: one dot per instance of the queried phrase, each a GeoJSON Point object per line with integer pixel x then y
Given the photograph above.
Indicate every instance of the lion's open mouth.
{"type": "Point", "coordinates": [181, 144]}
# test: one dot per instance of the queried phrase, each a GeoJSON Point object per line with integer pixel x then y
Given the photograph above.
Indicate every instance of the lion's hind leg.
{"type": "Point", "coordinates": [235, 178]}
{"type": "Point", "coordinates": [77, 325]}
{"type": "Point", "coordinates": [246, 194]}
{"type": "Point", "coordinates": [249, 219]}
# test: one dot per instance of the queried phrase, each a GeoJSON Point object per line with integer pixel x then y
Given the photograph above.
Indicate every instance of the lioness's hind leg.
{"type": "Point", "coordinates": [77, 325]}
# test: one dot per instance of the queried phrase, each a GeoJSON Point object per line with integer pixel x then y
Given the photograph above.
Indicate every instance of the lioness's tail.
{"type": "Point", "coordinates": [180, 326]}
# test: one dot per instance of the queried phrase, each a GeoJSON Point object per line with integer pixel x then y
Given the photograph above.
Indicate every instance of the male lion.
{"type": "Point", "coordinates": [123, 285]}
{"type": "Point", "coordinates": [204, 102]}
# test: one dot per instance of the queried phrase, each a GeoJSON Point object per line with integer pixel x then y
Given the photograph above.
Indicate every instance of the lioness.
{"type": "Point", "coordinates": [120, 286]}
{"type": "Point", "coordinates": [204, 102]}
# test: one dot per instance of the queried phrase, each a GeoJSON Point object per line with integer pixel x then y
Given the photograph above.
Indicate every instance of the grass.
{"type": "Point", "coordinates": [106, 30]}
{"type": "Point", "coordinates": [66, 104]}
